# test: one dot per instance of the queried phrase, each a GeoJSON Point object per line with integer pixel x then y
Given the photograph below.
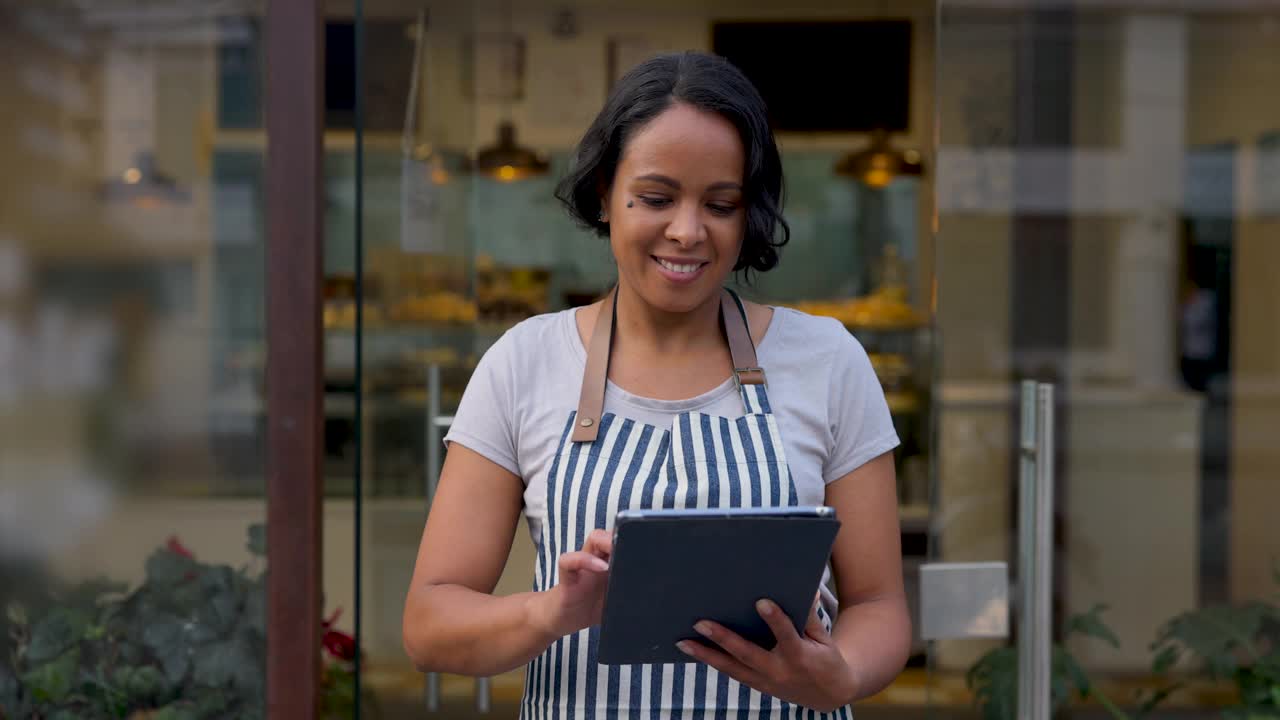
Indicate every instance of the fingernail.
{"type": "Point", "coordinates": [685, 647]}
{"type": "Point", "coordinates": [765, 607]}
{"type": "Point", "coordinates": [703, 628]}
{"type": "Point", "coordinates": [601, 565]}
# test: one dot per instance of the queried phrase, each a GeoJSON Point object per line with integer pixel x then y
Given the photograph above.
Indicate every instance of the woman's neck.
{"type": "Point", "coordinates": [645, 329]}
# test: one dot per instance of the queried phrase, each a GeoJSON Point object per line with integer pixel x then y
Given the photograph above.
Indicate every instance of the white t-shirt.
{"type": "Point", "coordinates": [830, 408]}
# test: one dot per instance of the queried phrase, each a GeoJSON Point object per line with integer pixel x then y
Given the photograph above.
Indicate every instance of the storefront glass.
{"type": "Point", "coordinates": [131, 339]}
{"type": "Point", "coordinates": [1107, 195]}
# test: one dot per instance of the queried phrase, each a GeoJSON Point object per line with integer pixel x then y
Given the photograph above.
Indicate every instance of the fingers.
{"type": "Point", "coordinates": [741, 649]}
{"type": "Point", "coordinates": [814, 628]}
{"type": "Point", "coordinates": [582, 561]}
{"type": "Point", "coordinates": [599, 543]}
{"type": "Point", "coordinates": [780, 624]}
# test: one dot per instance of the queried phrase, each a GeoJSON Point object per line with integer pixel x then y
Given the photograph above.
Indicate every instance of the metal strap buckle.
{"type": "Point", "coordinates": [738, 372]}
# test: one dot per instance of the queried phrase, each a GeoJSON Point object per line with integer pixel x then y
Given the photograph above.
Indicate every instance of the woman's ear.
{"type": "Point", "coordinates": [602, 191]}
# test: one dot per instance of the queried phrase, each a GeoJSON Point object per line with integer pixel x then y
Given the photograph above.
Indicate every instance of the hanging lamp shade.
{"type": "Point", "coordinates": [143, 185]}
{"type": "Point", "coordinates": [879, 163]}
{"type": "Point", "coordinates": [507, 161]}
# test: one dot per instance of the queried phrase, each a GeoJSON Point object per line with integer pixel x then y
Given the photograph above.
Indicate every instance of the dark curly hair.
{"type": "Point", "coordinates": [704, 81]}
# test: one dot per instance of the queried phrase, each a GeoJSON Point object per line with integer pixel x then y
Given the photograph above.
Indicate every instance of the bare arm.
{"type": "Point", "coordinates": [452, 622]}
{"type": "Point", "coordinates": [873, 629]}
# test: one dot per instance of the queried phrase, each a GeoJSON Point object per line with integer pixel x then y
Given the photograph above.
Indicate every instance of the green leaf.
{"type": "Point", "coordinates": [141, 685]}
{"type": "Point", "coordinates": [1166, 658]}
{"type": "Point", "coordinates": [216, 665]}
{"type": "Point", "coordinates": [1066, 667]}
{"type": "Point", "coordinates": [177, 711]}
{"type": "Point", "coordinates": [220, 610]}
{"type": "Point", "coordinates": [54, 633]}
{"type": "Point", "coordinates": [1090, 624]}
{"type": "Point", "coordinates": [1216, 635]}
{"type": "Point", "coordinates": [167, 569]}
{"type": "Point", "coordinates": [175, 660]}
{"type": "Point", "coordinates": [255, 608]}
{"type": "Point", "coordinates": [258, 539]}
{"type": "Point", "coordinates": [993, 680]}
{"type": "Point", "coordinates": [53, 681]}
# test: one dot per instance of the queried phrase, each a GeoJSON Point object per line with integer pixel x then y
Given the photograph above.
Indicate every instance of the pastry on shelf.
{"type": "Point", "coordinates": [439, 308]}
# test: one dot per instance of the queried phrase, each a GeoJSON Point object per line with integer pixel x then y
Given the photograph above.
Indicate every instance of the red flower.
{"type": "Point", "coordinates": [338, 644]}
{"type": "Point", "coordinates": [178, 548]}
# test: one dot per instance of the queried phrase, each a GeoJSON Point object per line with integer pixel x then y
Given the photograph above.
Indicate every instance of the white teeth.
{"type": "Point", "coordinates": [678, 268]}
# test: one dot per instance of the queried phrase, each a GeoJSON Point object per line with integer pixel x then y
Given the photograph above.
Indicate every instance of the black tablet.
{"type": "Point", "coordinates": [672, 568]}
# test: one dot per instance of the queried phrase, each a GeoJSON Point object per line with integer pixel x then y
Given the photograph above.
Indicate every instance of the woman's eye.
{"type": "Point", "coordinates": [655, 202]}
{"type": "Point", "coordinates": [721, 209]}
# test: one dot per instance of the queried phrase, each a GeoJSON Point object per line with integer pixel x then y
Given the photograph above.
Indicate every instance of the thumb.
{"type": "Point", "coordinates": [814, 628]}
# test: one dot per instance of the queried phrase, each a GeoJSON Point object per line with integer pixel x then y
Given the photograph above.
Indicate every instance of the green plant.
{"type": "Point", "coordinates": [993, 679]}
{"type": "Point", "coordinates": [1240, 643]}
{"type": "Point", "coordinates": [187, 643]}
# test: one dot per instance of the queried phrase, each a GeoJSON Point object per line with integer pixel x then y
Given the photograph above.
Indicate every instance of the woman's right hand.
{"type": "Point", "coordinates": [577, 601]}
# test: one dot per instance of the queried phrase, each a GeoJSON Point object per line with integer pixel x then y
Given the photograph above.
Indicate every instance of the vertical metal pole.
{"type": "Point", "coordinates": [433, 429]}
{"type": "Point", "coordinates": [1042, 611]}
{"type": "Point", "coordinates": [483, 704]}
{"type": "Point", "coordinates": [1026, 549]}
{"type": "Point", "coordinates": [432, 693]}
{"type": "Point", "coordinates": [433, 465]}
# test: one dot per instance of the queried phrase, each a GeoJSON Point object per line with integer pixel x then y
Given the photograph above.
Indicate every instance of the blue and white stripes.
{"type": "Point", "coordinates": [702, 461]}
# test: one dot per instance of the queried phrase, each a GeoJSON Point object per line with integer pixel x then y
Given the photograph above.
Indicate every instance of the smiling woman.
{"type": "Point", "coordinates": [680, 172]}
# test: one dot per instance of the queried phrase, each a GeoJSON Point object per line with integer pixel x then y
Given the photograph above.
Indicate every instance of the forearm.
{"type": "Point", "coordinates": [453, 629]}
{"type": "Point", "coordinates": [875, 639]}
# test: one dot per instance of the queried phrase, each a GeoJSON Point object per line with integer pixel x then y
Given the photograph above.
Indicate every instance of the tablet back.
{"type": "Point", "coordinates": [671, 570]}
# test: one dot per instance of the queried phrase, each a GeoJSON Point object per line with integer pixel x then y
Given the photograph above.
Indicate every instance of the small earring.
{"type": "Point", "coordinates": [600, 216]}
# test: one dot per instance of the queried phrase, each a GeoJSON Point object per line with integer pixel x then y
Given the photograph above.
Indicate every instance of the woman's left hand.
{"type": "Point", "coordinates": [804, 669]}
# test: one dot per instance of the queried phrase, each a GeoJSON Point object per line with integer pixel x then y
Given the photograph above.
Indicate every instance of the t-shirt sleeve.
{"type": "Point", "coordinates": [485, 421]}
{"type": "Point", "coordinates": [861, 426]}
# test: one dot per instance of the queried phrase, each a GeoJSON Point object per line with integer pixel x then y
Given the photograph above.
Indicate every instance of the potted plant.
{"type": "Point", "coordinates": [1238, 642]}
{"type": "Point", "coordinates": [188, 642]}
{"type": "Point", "coordinates": [993, 679]}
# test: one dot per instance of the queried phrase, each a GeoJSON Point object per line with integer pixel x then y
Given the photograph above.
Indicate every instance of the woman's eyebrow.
{"type": "Point", "coordinates": [675, 184]}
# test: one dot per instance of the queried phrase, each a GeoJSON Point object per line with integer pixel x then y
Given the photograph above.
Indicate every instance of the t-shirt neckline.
{"type": "Point", "coordinates": [569, 326]}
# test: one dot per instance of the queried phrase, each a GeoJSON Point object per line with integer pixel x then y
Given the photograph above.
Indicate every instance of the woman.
{"type": "Point", "coordinates": [681, 173]}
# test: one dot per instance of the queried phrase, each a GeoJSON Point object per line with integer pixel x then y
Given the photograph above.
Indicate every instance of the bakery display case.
{"type": "Point", "coordinates": [899, 341]}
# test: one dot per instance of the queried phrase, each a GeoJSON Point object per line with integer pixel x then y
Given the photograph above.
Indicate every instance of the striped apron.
{"type": "Point", "coordinates": [605, 464]}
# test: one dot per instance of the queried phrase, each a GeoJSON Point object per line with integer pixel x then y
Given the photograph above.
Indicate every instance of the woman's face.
{"type": "Point", "coordinates": [675, 209]}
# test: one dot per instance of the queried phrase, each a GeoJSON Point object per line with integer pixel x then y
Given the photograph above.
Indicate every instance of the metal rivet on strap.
{"type": "Point", "coordinates": [586, 422]}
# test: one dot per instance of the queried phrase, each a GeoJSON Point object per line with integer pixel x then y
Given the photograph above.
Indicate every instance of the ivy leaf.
{"type": "Point", "coordinates": [53, 681]}
{"type": "Point", "coordinates": [54, 633]}
{"type": "Point", "coordinates": [167, 569]}
{"type": "Point", "coordinates": [1090, 624]}
{"type": "Point", "coordinates": [216, 665]}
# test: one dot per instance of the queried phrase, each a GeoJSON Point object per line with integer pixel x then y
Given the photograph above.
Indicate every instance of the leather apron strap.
{"type": "Point", "coordinates": [595, 376]}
